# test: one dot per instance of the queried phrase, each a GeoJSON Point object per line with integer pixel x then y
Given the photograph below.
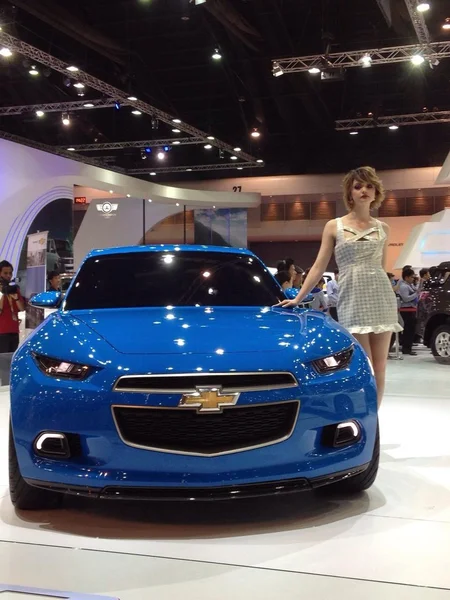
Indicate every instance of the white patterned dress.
{"type": "Point", "coordinates": [367, 302]}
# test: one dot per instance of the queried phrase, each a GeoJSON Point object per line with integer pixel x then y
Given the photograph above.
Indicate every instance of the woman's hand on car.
{"type": "Point", "coordinates": [288, 303]}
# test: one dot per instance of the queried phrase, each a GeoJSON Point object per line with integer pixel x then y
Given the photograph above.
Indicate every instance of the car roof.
{"type": "Point", "coordinates": [168, 248]}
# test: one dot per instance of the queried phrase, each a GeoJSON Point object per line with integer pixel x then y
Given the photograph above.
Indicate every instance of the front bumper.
{"type": "Point", "coordinates": [203, 494]}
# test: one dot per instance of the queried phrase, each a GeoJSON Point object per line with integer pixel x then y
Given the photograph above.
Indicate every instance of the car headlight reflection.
{"type": "Point", "coordinates": [53, 367]}
{"type": "Point", "coordinates": [335, 362]}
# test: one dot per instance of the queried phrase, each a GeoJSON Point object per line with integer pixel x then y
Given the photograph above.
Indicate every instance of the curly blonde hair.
{"type": "Point", "coordinates": [363, 175]}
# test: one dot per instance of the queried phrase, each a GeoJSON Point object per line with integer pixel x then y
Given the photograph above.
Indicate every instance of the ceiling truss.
{"type": "Point", "coordinates": [418, 21]}
{"type": "Point", "coordinates": [433, 52]}
{"type": "Point", "coordinates": [423, 118]}
{"type": "Point", "coordinates": [16, 45]}
{"type": "Point", "coordinates": [6, 111]}
{"type": "Point", "coordinates": [139, 144]}
{"type": "Point", "coordinates": [217, 167]}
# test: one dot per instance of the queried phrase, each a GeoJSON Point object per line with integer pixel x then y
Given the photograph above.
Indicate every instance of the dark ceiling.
{"type": "Point", "coordinates": [160, 50]}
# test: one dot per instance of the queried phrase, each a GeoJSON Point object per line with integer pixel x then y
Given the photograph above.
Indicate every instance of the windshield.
{"type": "Point", "coordinates": [438, 277]}
{"type": "Point", "coordinates": [145, 279]}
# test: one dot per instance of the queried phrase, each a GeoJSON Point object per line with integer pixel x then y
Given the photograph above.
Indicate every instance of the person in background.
{"type": "Point", "coordinates": [297, 283]}
{"type": "Point", "coordinates": [54, 282]}
{"type": "Point", "coordinates": [11, 303]}
{"type": "Point", "coordinates": [320, 300]}
{"type": "Point", "coordinates": [424, 275]}
{"type": "Point", "coordinates": [409, 295]}
{"type": "Point", "coordinates": [284, 279]}
{"type": "Point", "coordinates": [281, 266]}
{"type": "Point", "coordinates": [290, 267]}
{"type": "Point", "coordinates": [333, 295]}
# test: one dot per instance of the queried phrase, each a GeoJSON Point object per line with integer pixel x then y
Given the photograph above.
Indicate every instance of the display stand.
{"type": "Point", "coordinates": [396, 354]}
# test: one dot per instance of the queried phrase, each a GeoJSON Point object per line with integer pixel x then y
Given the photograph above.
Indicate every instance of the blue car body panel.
{"type": "Point", "coordinates": [188, 340]}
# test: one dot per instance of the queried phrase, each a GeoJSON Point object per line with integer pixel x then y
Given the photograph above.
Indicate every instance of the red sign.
{"type": "Point", "coordinates": [81, 200]}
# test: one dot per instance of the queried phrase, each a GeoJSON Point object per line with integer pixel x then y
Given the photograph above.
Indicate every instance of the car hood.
{"type": "Point", "coordinates": [200, 330]}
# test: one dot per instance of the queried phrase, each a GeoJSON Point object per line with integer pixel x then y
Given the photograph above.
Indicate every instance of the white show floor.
{"type": "Point", "coordinates": [393, 542]}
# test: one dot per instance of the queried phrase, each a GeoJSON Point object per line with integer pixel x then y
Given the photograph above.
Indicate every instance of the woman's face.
{"type": "Point", "coordinates": [363, 193]}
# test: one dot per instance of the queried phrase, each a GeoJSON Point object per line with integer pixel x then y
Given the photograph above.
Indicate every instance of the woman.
{"type": "Point", "coordinates": [367, 306]}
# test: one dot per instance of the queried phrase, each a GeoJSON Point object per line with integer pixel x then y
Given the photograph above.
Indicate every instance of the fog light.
{"type": "Point", "coordinates": [341, 434]}
{"type": "Point", "coordinates": [52, 444]}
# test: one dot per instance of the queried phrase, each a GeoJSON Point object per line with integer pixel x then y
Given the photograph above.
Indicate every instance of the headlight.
{"type": "Point", "coordinates": [335, 362]}
{"type": "Point", "coordinates": [61, 369]}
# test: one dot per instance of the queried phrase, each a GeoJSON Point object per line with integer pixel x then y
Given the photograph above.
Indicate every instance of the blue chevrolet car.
{"type": "Point", "coordinates": [167, 373]}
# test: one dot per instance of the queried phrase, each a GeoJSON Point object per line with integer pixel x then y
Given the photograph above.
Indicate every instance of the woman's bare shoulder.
{"type": "Point", "coordinates": [331, 227]}
{"type": "Point", "coordinates": [385, 226]}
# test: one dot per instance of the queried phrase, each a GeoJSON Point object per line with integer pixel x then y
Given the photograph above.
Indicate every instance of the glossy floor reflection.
{"type": "Point", "coordinates": [392, 542]}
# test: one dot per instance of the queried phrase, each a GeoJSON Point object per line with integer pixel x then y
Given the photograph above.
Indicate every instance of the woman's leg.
{"type": "Point", "coordinates": [363, 339]}
{"type": "Point", "coordinates": [379, 347]}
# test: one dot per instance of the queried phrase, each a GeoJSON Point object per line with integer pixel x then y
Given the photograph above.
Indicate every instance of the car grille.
{"type": "Point", "coordinates": [185, 383]}
{"type": "Point", "coordinates": [184, 431]}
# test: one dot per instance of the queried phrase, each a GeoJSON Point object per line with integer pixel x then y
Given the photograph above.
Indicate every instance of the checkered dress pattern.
{"type": "Point", "coordinates": [367, 302]}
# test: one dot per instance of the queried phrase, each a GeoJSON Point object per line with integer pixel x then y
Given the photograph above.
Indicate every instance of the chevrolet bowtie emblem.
{"type": "Point", "coordinates": [208, 400]}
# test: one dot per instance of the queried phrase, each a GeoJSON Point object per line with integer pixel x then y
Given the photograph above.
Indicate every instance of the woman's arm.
{"type": "Point", "coordinates": [387, 231]}
{"type": "Point", "coordinates": [318, 268]}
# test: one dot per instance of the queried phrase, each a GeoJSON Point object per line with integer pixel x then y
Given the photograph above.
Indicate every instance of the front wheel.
{"type": "Point", "coordinates": [440, 344]}
{"type": "Point", "coordinates": [23, 495]}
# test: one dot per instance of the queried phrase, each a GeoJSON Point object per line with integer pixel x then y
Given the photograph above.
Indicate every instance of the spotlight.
{"type": "Point", "coordinates": [211, 137]}
{"type": "Point", "coordinates": [417, 60]}
{"type": "Point", "coordinates": [208, 147]}
{"type": "Point", "coordinates": [277, 71]}
{"type": "Point", "coordinates": [216, 55]}
{"type": "Point", "coordinates": [33, 71]}
{"type": "Point", "coordinates": [132, 98]}
{"type": "Point", "coordinates": [136, 112]}
{"type": "Point", "coordinates": [73, 69]}
{"type": "Point", "coordinates": [67, 82]}
{"type": "Point", "coordinates": [260, 161]}
{"type": "Point", "coordinates": [40, 113]}
{"type": "Point", "coordinates": [66, 119]}
{"type": "Point", "coordinates": [148, 150]}
{"type": "Point", "coordinates": [393, 127]}
{"type": "Point", "coordinates": [143, 155]}
{"type": "Point", "coordinates": [188, 170]}
{"type": "Point", "coordinates": [221, 154]}
{"type": "Point", "coordinates": [314, 71]}
{"type": "Point", "coordinates": [161, 155]}
{"type": "Point", "coordinates": [423, 6]}
{"type": "Point", "coordinates": [176, 131]}
{"type": "Point", "coordinates": [152, 174]}
{"type": "Point", "coordinates": [89, 105]}
{"type": "Point", "coordinates": [234, 158]}
{"type": "Point", "coordinates": [255, 133]}
{"type": "Point", "coordinates": [366, 61]}
{"type": "Point", "coordinates": [71, 149]}
{"type": "Point", "coordinates": [117, 105]}
{"type": "Point", "coordinates": [79, 85]}
{"type": "Point", "coordinates": [446, 24]}
{"type": "Point", "coordinates": [177, 121]}
{"type": "Point", "coordinates": [167, 148]}
{"type": "Point", "coordinates": [80, 93]}
{"type": "Point", "coordinates": [240, 168]}
{"type": "Point", "coordinates": [5, 52]}
{"type": "Point", "coordinates": [354, 132]}
{"type": "Point", "coordinates": [237, 149]}
{"type": "Point", "coordinates": [176, 143]}
{"type": "Point", "coordinates": [155, 123]}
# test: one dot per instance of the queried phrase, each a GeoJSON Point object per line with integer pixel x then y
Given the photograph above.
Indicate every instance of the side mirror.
{"type": "Point", "coordinates": [46, 300]}
{"type": "Point", "coordinates": [291, 293]}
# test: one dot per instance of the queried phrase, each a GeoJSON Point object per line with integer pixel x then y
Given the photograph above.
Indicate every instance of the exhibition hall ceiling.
{"type": "Point", "coordinates": [161, 52]}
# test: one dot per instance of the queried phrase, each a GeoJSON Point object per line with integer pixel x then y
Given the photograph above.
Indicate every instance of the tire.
{"type": "Point", "coordinates": [440, 344]}
{"type": "Point", "coordinates": [23, 495]}
{"type": "Point", "coordinates": [363, 481]}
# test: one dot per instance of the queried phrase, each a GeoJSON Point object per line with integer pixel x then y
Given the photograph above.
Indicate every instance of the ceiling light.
{"type": "Point", "coordinates": [393, 127]}
{"type": "Point", "coordinates": [89, 105]}
{"type": "Point", "coordinates": [152, 174]}
{"type": "Point", "coordinates": [33, 71]}
{"type": "Point", "coordinates": [161, 155]}
{"type": "Point", "coordinates": [73, 69]}
{"type": "Point", "coordinates": [40, 113]}
{"type": "Point", "coordinates": [423, 6]}
{"type": "Point", "coordinates": [366, 61]}
{"type": "Point", "coordinates": [136, 112]}
{"type": "Point", "coordinates": [177, 204]}
{"type": "Point", "coordinates": [5, 52]}
{"type": "Point", "coordinates": [255, 133]}
{"type": "Point", "coordinates": [237, 149]}
{"type": "Point", "coordinates": [277, 71]}
{"type": "Point", "coordinates": [208, 147]}
{"type": "Point", "coordinates": [176, 142]}
{"type": "Point", "coordinates": [188, 169]}
{"type": "Point", "coordinates": [71, 149]}
{"type": "Point", "coordinates": [211, 137]}
{"type": "Point", "coordinates": [314, 70]}
{"type": "Point", "coordinates": [216, 55]}
{"type": "Point", "coordinates": [354, 132]}
{"type": "Point", "coordinates": [176, 131]}
{"type": "Point", "coordinates": [234, 158]}
{"type": "Point", "coordinates": [150, 200]}
{"type": "Point", "coordinates": [176, 121]}
{"type": "Point", "coordinates": [111, 192]}
{"type": "Point", "coordinates": [446, 24]}
{"type": "Point", "coordinates": [260, 160]}
{"type": "Point", "coordinates": [79, 85]}
{"type": "Point", "coordinates": [417, 60]}
{"type": "Point", "coordinates": [240, 168]}
{"type": "Point", "coordinates": [65, 119]}
{"type": "Point", "coordinates": [132, 98]}
{"type": "Point", "coordinates": [128, 195]}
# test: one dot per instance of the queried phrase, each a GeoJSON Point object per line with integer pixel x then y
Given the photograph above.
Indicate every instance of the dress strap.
{"type": "Point", "coordinates": [381, 231]}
